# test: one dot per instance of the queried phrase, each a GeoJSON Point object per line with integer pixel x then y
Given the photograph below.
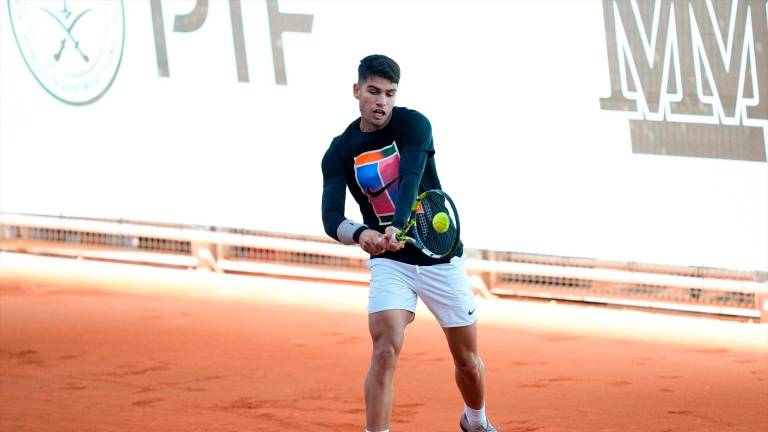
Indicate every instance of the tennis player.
{"type": "Point", "coordinates": [385, 157]}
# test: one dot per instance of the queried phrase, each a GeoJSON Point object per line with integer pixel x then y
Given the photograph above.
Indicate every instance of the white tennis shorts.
{"type": "Point", "coordinates": [444, 288]}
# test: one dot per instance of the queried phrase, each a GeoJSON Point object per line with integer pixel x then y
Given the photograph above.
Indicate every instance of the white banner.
{"type": "Point", "coordinates": [582, 128]}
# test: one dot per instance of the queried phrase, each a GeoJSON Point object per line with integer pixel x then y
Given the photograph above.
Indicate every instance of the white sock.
{"type": "Point", "coordinates": [475, 416]}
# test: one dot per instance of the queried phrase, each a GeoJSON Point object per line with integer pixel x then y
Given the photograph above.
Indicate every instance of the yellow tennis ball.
{"type": "Point", "coordinates": [441, 222]}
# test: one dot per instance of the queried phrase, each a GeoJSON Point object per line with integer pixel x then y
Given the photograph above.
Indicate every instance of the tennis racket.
{"type": "Point", "coordinates": [436, 238]}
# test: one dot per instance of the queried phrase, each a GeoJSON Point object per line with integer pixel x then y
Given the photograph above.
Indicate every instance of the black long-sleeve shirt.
{"type": "Point", "coordinates": [384, 171]}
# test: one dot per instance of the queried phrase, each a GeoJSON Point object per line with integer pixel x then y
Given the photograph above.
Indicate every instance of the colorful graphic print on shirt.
{"type": "Point", "coordinates": [377, 173]}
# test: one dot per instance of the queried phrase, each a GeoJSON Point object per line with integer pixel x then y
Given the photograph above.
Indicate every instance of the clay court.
{"type": "Point", "coordinates": [93, 346]}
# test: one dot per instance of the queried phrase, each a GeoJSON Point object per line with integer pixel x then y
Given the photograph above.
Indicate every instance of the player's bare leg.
{"type": "Point", "coordinates": [387, 330]}
{"type": "Point", "coordinates": [470, 370]}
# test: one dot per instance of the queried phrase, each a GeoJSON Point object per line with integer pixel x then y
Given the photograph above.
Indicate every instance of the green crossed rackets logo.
{"type": "Point", "coordinates": [73, 48]}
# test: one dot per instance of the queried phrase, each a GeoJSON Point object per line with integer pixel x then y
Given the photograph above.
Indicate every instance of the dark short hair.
{"type": "Point", "coordinates": [380, 66]}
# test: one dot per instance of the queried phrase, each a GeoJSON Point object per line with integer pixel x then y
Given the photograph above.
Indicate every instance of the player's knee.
{"type": "Point", "coordinates": [384, 358]}
{"type": "Point", "coordinates": [470, 365]}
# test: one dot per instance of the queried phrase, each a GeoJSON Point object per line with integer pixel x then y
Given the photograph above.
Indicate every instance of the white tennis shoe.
{"type": "Point", "coordinates": [464, 424]}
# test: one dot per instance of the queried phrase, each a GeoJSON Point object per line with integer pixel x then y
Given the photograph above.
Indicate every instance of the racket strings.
{"type": "Point", "coordinates": [436, 242]}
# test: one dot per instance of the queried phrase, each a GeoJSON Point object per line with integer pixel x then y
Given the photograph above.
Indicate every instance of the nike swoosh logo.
{"type": "Point", "coordinates": [374, 194]}
{"type": "Point", "coordinates": [472, 311]}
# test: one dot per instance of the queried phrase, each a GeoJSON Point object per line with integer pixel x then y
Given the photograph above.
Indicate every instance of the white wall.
{"type": "Point", "coordinates": [512, 89]}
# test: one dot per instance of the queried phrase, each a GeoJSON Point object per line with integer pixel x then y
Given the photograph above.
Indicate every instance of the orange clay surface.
{"type": "Point", "coordinates": [90, 346]}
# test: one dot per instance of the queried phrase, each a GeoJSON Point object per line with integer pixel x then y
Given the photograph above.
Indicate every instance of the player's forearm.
{"type": "Point", "coordinates": [411, 169]}
{"type": "Point", "coordinates": [336, 225]}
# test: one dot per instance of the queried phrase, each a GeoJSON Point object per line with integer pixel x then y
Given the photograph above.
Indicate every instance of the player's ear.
{"type": "Point", "coordinates": [356, 90]}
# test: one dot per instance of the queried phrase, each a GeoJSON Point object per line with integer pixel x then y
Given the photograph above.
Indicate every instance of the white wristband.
{"type": "Point", "coordinates": [346, 231]}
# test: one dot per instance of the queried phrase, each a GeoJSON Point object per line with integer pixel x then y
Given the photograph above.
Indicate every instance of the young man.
{"type": "Point", "coordinates": [385, 157]}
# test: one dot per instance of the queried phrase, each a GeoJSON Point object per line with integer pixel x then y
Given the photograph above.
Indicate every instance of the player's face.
{"type": "Point", "coordinates": [377, 98]}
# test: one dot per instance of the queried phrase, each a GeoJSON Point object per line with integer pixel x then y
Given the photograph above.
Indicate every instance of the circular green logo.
{"type": "Point", "coordinates": [73, 48]}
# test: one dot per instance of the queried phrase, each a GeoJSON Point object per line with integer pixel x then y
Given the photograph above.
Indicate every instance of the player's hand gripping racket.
{"type": "Point", "coordinates": [433, 226]}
